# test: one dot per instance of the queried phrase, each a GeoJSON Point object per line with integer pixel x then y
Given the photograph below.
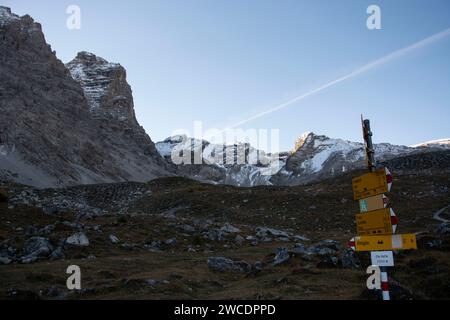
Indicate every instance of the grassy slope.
{"type": "Point", "coordinates": [319, 211]}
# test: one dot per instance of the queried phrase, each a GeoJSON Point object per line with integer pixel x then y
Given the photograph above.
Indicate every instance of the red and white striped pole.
{"type": "Point", "coordinates": [385, 284]}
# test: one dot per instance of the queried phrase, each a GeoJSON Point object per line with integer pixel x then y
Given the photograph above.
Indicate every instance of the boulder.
{"type": "Point", "coordinates": [229, 228]}
{"type": "Point", "coordinates": [223, 264]}
{"type": "Point", "coordinates": [28, 259]}
{"type": "Point", "coordinates": [301, 238]}
{"type": "Point", "coordinates": [325, 247]}
{"type": "Point", "coordinates": [170, 242]}
{"type": "Point", "coordinates": [37, 247]}
{"type": "Point", "coordinates": [113, 239]}
{"type": "Point", "coordinates": [78, 239]}
{"type": "Point", "coordinates": [263, 232]}
{"type": "Point", "coordinates": [282, 255]}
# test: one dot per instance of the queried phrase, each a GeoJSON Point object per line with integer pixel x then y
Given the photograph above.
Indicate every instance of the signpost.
{"type": "Point", "coordinates": [384, 242]}
{"type": "Point", "coordinates": [373, 203]}
{"type": "Point", "coordinates": [372, 184]}
{"type": "Point", "coordinates": [376, 223]}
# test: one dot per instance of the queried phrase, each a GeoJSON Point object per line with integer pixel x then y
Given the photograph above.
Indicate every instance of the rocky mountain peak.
{"type": "Point", "coordinates": [105, 87]}
{"type": "Point", "coordinates": [62, 127]}
{"type": "Point", "coordinates": [88, 58]}
{"type": "Point", "coordinates": [305, 138]}
{"type": "Point", "coordinates": [6, 17]}
{"type": "Point", "coordinates": [26, 23]}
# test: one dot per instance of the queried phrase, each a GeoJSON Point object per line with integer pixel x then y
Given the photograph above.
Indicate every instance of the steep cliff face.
{"type": "Point", "coordinates": [48, 134]}
{"type": "Point", "coordinates": [110, 103]}
{"type": "Point", "coordinates": [105, 87]}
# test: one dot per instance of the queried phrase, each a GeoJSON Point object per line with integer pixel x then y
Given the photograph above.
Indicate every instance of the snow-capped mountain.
{"type": "Point", "coordinates": [218, 154]}
{"type": "Point", "coordinates": [238, 164]}
{"type": "Point", "coordinates": [313, 157]}
{"type": "Point", "coordinates": [317, 156]}
{"type": "Point", "coordinates": [75, 124]}
{"type": "Point", "coordinates": [440, 144]}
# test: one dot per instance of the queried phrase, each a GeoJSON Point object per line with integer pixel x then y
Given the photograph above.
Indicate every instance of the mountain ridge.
{"type": "Point", "coordinates": [48, 135]}
{"type": "Point", "coordinates": [74, 123]}
{"type": "Point", "coordinates": [313, 157]}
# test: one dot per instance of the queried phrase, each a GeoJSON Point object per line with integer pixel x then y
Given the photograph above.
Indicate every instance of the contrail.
{"type": "Point", "coordinates": [371, 65]}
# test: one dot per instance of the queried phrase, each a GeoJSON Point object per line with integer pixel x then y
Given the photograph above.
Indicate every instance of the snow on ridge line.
{"type": "Point", "coordinates": [442, 142]}
{"type": "Point", "coordinates": [91, 76]}
{"type": "Point", "coordinates": [6, 17]}
{"type": "Point", "coordinates": [325, 146]}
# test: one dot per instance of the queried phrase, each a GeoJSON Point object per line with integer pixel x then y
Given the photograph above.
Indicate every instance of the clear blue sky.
{"type": "Point", "coordinates": [222, 61]}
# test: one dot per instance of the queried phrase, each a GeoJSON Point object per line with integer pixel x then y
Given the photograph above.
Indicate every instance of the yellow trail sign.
{"type": "Point", "coordinates": [373, 203]}
{"type": "Point", "coordinates": [371, 184]}
{"type": "Point", "coordinates": [374, 223]}
{"type": "Point", "coordinates": [384, 243]}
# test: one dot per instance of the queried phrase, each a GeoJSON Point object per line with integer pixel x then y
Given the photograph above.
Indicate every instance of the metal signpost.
{"type": "Point", "coordinates": [376, 223]}
{"type": "Point", "coordinates": [384, 242]}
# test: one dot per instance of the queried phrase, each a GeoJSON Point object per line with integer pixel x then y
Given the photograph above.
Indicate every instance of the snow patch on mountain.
{"type": "Point", "coordinates": [439, 143]}
{"type": "Point", "coordinates": [239, 164]}
{"type": "Point", "coordinates": [316, 153]}
{"type": "Point", "coordinates": [6, 17]}
{"type": "Point", "coordinates": [328, 147]}
{"type": "Point", "coordinates": [96, 76]}
{"type": "Point", "coordinates": [314, 157]}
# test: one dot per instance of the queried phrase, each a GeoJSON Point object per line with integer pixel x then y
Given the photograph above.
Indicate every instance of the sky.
{"type": "Point", "coordinates": [223, 62]}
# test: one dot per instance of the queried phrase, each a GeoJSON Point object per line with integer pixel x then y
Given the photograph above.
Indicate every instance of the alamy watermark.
{"type": "Point", "coordinates": [374, 20]}
{"type": "Point", "coordinates": [232, 146]}
{"type": "Point", "coordinates": [73, 22]}
{"type": "Point", "coordinates": [74, 280]}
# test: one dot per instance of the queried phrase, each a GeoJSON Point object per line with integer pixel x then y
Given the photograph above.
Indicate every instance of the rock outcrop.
{"type": "Point", "coordinates": [49, 134]}
{"type": "Point", "coordinates": [105, 87]}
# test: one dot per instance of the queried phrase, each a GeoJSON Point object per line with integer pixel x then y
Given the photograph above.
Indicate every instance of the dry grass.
{"type": "Point", "coordinates": [319, 211]}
